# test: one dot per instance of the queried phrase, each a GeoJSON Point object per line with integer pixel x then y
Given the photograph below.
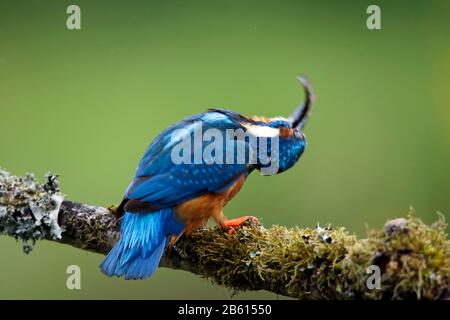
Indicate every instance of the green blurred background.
{"type": "Point", "coordinates": [86, 103]}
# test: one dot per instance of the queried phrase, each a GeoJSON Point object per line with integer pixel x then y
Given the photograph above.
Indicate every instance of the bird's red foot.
{"type": "Point", "coordinates": [232, 224]}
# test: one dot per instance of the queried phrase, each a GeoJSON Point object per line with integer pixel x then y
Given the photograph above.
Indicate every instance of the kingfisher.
{"type": "Point", "coordinates": [178, 185]}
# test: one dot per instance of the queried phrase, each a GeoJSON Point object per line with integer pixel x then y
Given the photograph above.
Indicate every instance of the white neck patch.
{"type": "Point", "coordinates": [263, 131]}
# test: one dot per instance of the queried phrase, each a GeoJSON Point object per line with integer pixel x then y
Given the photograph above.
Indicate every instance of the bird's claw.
{"type": "Point", "coordinates": [231, 225]}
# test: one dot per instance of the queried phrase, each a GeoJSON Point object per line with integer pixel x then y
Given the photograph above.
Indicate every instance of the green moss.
{"type": "Point", "coordinates": [314, 263]}
{"type": "Point", "coordinates": [310, 263]}
{"type": "Point", "coordinates": [415, 260]}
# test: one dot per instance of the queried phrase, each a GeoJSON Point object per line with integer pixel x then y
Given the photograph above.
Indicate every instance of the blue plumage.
{"type": "Point", "coordinates": [144, 237]}
{"type": "Point", "coordinates": [170, 184]}
{"type": "Point", "coordinates": [165, 198]}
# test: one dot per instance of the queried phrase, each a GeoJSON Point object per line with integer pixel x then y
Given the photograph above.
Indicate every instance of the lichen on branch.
{"type": "Point", "coordinates": [29, 210]}
{"type": "Point", "coordinates": [305, 263]}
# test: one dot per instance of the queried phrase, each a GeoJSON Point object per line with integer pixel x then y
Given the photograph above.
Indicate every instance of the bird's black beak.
{"type": "Point", "coordinates": [300, 116]}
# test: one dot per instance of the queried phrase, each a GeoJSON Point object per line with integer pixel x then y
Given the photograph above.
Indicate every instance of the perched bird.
{"type": "Point", "coordinates": [167, 197]}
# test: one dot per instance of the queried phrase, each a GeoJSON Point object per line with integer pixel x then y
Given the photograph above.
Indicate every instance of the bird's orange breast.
{"type": "Point", "coordinates": [196, 212]}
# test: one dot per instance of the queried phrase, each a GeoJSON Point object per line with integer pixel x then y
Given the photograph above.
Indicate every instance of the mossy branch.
{"type": "Point", "coordinates": [310, 263]}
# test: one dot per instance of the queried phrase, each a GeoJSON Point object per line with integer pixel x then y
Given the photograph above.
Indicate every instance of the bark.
{"type": "Point", "coordinates": [310, 263]}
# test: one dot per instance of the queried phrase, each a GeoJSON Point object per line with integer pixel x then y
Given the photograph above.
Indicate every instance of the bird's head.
{"type": "Point", "coordinates": [288, 132]}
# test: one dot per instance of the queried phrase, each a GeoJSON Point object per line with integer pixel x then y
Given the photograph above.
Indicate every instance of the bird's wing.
{"type": "Point", "coordinates": [160, 183]}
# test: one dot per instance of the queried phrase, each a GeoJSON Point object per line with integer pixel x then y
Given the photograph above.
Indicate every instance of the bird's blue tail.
{"type": "Point", "coordinates": [143, 238]}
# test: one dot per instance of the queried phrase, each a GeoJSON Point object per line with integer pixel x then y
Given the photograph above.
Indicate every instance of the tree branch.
{"type": "Point", "coordinates": [310, 263]}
